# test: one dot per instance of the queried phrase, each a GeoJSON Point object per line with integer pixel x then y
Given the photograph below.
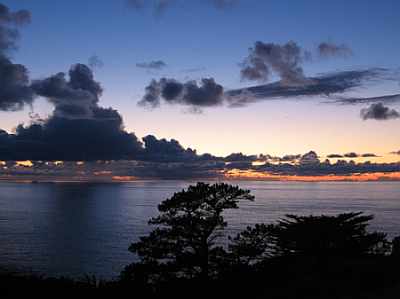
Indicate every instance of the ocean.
{"type": "Point", "coordinates": [73, 229]}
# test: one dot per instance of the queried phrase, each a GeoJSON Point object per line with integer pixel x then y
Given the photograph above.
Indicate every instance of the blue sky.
{"type": "Point", "coordinates": [194, 34]}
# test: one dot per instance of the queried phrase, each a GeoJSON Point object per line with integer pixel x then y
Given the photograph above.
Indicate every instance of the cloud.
{"type": "Point", "coordinates": [265, 59]}
{"type": "Point", "coordinates": [240, 157]}
{"type": "Point", "coordinates": [285, 61]}
{"type": "Point", "coordinates": [369, 155]}
{"type": "Point", "coordinates": [75, 97]}
{"type": "Point", "coordinates": [326, 50]}
{"type": "Point", "coordinates": [169, 160]}
{"type": "Point", "coordinates": [15, 92]}
{"type": "Point", "coordinates": [205, 93]}
{"type": "Point", "coordinates": [395, 152]}
{"type": "Point", "coordinates": [78, 129]}
{"type": "Point", "coordinates": [317, 168]}
{"type": "Point", "coordinates": [393, 98]}
{"type": "Point", "coordinates": [152, 65]}
{"type": "Point", "coordinates": [334, 156]}
{"type": "Point", "coordinates": [290, 158]}
{"type": "Point", "coordinates": [351, 155]}
{"type": "Point", "coordinates": [94, 62]}
{"type": "Point", "coordinates": [9, 23]}
{"type": "Point", "coordinates": [81, 130]}
{"type": "Point", "coordinates": [378, 111]}
{"type": "Point", "coordinates": [162, 150]}
{"type": "Point", "coordinates": [326, 85]}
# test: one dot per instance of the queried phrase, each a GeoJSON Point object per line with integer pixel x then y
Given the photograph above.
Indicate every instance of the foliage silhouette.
{"type": "Point", "coordinates": [252, 245]}
{"type": "Point", "coordinates": [339, 235]}
{"type": "Point", "coordinates": [183, 245]}
{"type": "Point", "coordinates": [319, 236]}
{"type": "Point", "coordinates": [396, 247]}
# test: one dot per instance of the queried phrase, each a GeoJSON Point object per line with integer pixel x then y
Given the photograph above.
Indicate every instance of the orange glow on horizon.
{"type": "Point", "coordinates": [25, 163]}
{"type": "Point", "coordinates": [359, 177]}
{"type": "Point", "coordinates": [125, 178]}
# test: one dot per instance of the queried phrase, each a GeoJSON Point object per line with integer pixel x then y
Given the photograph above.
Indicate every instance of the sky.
{"type": "Point", "coordinates": [190, 40]}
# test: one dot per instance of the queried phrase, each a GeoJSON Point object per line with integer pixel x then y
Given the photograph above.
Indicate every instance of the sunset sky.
{"type": "Point", "coordinates": [135, 42]}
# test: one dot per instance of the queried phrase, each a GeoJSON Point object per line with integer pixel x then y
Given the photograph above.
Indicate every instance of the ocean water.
{"type": "Point", "coordinates": [75, 229]}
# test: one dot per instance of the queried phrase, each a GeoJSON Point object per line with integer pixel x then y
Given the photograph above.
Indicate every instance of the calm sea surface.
{"type": "Point", "coordinates": [78, 228]}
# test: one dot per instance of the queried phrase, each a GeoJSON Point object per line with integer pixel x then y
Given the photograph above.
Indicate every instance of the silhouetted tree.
{"type": "Point", "coordinates": [340, 235]}
{"type": "Point", "coordinates": [396, 247]}
{"type": "Point", "coordinates": [252, 245]}
{"type": "Point", "coordinates": [184, 243]}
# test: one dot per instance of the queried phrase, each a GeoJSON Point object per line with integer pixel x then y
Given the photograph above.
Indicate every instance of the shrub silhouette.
{"type": "Point", "coordinates": [339, 235]}
{"type": "Point", "coordinates": [183, 245]}
{"type": "Point", "coordinates": [396, 247]}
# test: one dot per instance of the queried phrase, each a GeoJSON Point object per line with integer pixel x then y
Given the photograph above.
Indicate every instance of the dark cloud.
{"type": "Point", "coordinates": [378, 111]}
{"type": "Point", "coordinates": [326, 49]}
{"type": "Point", "coordinates": [162, 166]}
{"type": "Point", "coordinates": [334, 156]}
{"type": "Point", "coordinates": [14, 86]}
{"type": "Point", "coordinates": [316, 168]}
{"type": "Point", "coordinates": [369, 155]}
{"type": "Point", "coordinates": [289, 158]}
{"type": "Point", "coordinates": [351, 155]}
{"type": "Point", "coordinates": [206, 93]}
{"type": "Point", "coordinates": [266, 59]}
{"type": "Point", "coordinates": [79, 129]}
{"type": "Point", "coordinates": [179, 170]}
{"type": "Point", "coordinates": [14, 78]}
{"type": "Point", "coordinates": [9, 23]}
{"type": "Point", "coordinates": [162, 150]}
{"type": "Point", "coordinates": [101, 137]}
{"type": "Point", "coordinates": [152, 65]}
{"type": "Point", "coordinates": [98, 138]}
{"type": "Point", "coordinates": [327, 85]}
{"type": "Point", "coordinates": [75, 97]}
{"type": "Point", "coordinates": [395, 152]}
{"type": "Point", "coordinates": [285, 61]}
{"type": "Point", "coordinates": [309, 158]}
{"type": "Point", "coordinates": [240, 157]}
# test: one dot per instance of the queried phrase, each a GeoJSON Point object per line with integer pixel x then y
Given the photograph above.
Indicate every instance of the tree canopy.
{"type": "Point", "coordinates": [183, 244]}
